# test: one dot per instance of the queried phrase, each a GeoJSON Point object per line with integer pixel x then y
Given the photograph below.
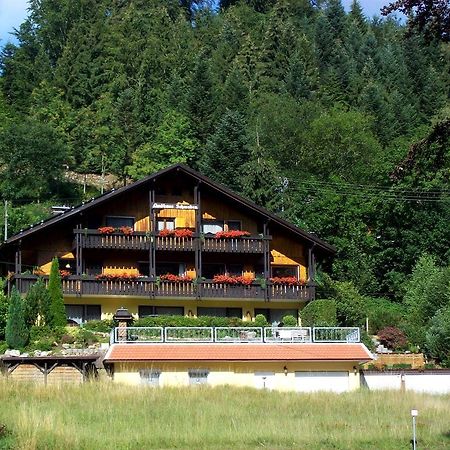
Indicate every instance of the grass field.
{"type": "Point", "coordinates": [107, 416]}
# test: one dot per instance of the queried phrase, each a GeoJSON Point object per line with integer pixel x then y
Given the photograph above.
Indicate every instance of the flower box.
{"type": "Point", "coordinates": [175, 278]}
{"type": "Point", "coordinates": [229, 279]}
{"type": "Point", "coordinates": [287, 281]}
{"type": "Point", "coordinates": [233, 234]}
{"type": "Point", "coordinates": [180, 233]}
{"type": "Point", "coordinates": [110, 230]}
{"type": "Point", "coordinates": [116, 277]}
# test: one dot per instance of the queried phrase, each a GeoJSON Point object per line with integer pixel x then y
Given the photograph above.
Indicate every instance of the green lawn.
{"type": "Point", "coordinates": [111, 416]}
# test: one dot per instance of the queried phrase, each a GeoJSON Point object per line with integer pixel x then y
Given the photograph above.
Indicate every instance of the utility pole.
{"type": "Point", "coordinates": [6, 220]}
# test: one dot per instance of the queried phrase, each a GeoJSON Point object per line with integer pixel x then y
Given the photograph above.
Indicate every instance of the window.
{"type": "Point", "coordinates": [148, 310]}
{"type": "Point", "coordinates": [198, 376]}
{"type": "Point", "coordinates": [67, 264]}
{"type": "Point", "coordinates": [234, 225]}
{"type": "Point", "coordinates": [119, 221]}
{"type": "Point", "coordinates": [150, 377]}
{"type": "Point", "coordinates": [174, 268]}
{"type": "Point", "coordinates": [212, 226]}
{"type": "Point", "coordinates": [165, 224]}
{"type": "Point", "coordinates": [209, 270]}
{"type": "Point", "coordinates": [235, 269]}
{"type": "Point", "coordinates": [78, 314]}
{"type": "Point", "coordinates": [285, 271]}
{"type": "Point", "coordinates": [94, 268]}
{"type": "Point", "coordinates": [219, 312]}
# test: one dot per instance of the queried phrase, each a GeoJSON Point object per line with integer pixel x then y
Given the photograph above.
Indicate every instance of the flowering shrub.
{"type": "Point", "coordinates": [64, 273]}
{"type": "Point", "coordinates": [181, 233]}
{"type": "Point", "coordinates": [287, 281]}
{"type": "Point", "coordinates": [126, 230]}
{"type": "Point", "coordinates": [393, 338]}
{"type": "Point", "coordinates": [106, 230]}
{"type": "Point", "coordinates": [116, 277]}
{"type": "Point", "coordinates": [175, 278]}
{"type": "Point", "coordinates": [231, 279]}
{"type": "Point", "coordinates": [231, 234]}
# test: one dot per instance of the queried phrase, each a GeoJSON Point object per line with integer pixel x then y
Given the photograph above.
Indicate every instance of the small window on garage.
{"type": "Point", "coordinates": [150, 377]}
{"type": "Point", "coordinates": [198, 376]}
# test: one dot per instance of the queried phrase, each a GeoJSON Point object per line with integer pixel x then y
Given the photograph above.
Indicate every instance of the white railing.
{"type": "Point", "coordinates": [334, 334]}
{"type": "Point", "coordinates": [287, 334]}
{"type": "Point", "coordinates": [236, 334]}
{"type": "Point", "coordinates": [189, 334]}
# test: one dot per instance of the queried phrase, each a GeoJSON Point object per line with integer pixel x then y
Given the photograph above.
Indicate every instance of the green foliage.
{"type": "Point", "coordinates": [37, 305]}
{"type": "Point", "coordinates": [4, 306]}
{"type": "Point", "coordinates": [384, 313]}
{"type": "Point", "coordinates": [437, 339]}
{"type": "Point", "coordinates": [367, 340]}
{"type": "Point", "coordinates": [261, 321]}
{"type": "Point", "coordinates": [3, 347]}
{"type": "Point", "coordinates": [57, 314]}
{"type": "Point", "coordinates": [203, 321]}
{"type": "Point", "coordinates": [392, 338]}
{"type": "Point", "coordinates": [86, 337]}
{"type": "Point", "coordinates": [289, 321]}
{"type": "Point", "coordinates": [102, 326]}
{"type": "Point", "coordinates": [319, 313]}
{"type": "Point", "coordinates": [16, 332]}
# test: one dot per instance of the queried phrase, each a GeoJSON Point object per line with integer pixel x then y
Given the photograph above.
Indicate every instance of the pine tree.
{"type": "Point", "coordinates": [16, 332]}
{"type": "Point", "coordinates": [58, 316]}
{"type": "Point", "coordinates": [37, 305]}
{"type": "Point", "coordinates": [4, 305]}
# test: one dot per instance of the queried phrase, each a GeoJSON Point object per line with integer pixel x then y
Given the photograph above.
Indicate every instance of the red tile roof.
{"type": "Point", "coordinates": [237, 352]}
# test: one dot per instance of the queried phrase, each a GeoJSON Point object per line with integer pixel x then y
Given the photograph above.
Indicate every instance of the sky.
{"type": "Point", "coordinates": [13, 12]}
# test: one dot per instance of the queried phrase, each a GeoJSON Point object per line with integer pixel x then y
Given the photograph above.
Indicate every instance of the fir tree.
{"type": "Point", "coordinates": [4, 304]}
{"type": "Point", "coordinates": [58, 316]}
{"type": "Point", "coordinates": [16, 332]}
{"type": "Point", "coordinates": [37, 305]}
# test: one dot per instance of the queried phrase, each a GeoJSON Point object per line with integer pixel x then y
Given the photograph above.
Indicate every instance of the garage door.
{"type": "Point", "coordinates": [321, 381]}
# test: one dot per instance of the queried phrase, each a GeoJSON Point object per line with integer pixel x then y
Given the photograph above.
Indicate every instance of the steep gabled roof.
{"type": "Point", "coordinates": [323, 246]}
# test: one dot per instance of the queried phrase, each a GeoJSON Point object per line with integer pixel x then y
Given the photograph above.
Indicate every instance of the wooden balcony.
{"type": "Point", "coordinates": [175, 243]}
{"type": "Point", "coordinates": [95, 239]}
{"type": "Point", "coordinates": [148, 287]}
{"type": "Point", "coordinates": [251, 244]}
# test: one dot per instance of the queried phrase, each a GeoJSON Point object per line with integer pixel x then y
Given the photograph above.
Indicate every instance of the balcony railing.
{"type": "Point", "coordinates": [139, 240]}
{"type": "Point", "coordinates": [226, 335]}
{"type": "Point", "coordinates": [94, 239]}
{"type": "Point", "coordinates": [151, 287]}
{"type": "Point", "coordinates": [251, 244]}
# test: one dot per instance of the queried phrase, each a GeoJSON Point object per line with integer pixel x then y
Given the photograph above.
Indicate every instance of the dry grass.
{"type": "Point", "coordinates": [108, 416]}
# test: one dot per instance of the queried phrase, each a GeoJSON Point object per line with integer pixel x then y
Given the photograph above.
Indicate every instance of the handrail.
{"type": "Point", "coordinates": [223, 335]}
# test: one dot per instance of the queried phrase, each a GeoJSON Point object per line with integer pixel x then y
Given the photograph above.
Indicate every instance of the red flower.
{"type": "Point", "coordinates": [166, 232]}
{"type": "Point", "coordinates": [184, 233]}
{"type": "Point", "coordinates": [116, 277]}
{"type": "Point", "coordinates": [231, 234]}
{"type": "Point", "coordinates": [64, 273]}
{"type": "Point", "coordinates": [230, 279]}
{"type": "Point", "coordinates": [106, 230]}
{"type": "Point", "coordinates": [175, 278]}
{"type": "Point", "coordinates": [126, 230]}
{"type": "Point", "coordinates": [287, 281]}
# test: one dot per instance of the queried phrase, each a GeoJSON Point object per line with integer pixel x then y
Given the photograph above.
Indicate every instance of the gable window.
{"type": "Point", "coordinates": [198, 376]}
{"type": "Point", "coordinates": [165, 224]}
{"type": "Point", "coordinates": [150, 377]}
{"type": "Point", "coordinates": [119, 221]}
{"type": "Point", "coordinates": [285, 271]}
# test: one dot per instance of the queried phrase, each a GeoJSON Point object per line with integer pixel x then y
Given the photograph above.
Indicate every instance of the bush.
{"type": "Point", "coordinates": [383, 313]}
{"type": "Point", "coordinates": [289, 321]}
{"type": "Point", "coordinates": [367, 340]}
{"type": "Point", "coordinates": [203, 321]}
{"type": "Point", "coordinates": [319, 313]}
{"type": "Point", "coordinates": [438, 337]}
{"type": "Point", "coordinates": [16, 332]}
{"type": "Point", "coordinates": [4, 305]}
{"type": "Point", "coordinates": [57, 308]}
{"type": "Point", "coordinates": [3, 347]}
{"type": "Point", "coordinates": [100, 326]}
{"type": "Point", "coordinates": [261, 321]}
{"type": "Point", "coordinates": [40, 332]}
{"type": "Point", "coordinates": [44, 344]}
{"type": "Point", "coordinates": [86, 337]}
{"type": "Point", "coordinates": [67, 339]}
{"type": "Point", "coordinates": [393, 338]}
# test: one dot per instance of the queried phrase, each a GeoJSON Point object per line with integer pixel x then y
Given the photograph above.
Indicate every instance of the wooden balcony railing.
{"type": "Point", "coordinates": [149, 287]}
{"type": "Point", "coordinates": [139, 240]}
{"type": "Point", "coordinates": [95, 239]}
{"type": "Point", "coordinates": [251, 244]}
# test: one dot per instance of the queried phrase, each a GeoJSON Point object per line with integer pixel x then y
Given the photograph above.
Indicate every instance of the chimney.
{"type": "Point", "coordinates": [125, 319]}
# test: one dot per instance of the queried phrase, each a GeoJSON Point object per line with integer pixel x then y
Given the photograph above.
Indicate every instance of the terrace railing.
{"type": "Point", "coordinates": [223, 335]}
{"type": "Point", "coordinates": [151, 287]}
{"type": "Point", "coordinates": [89, 238]}
{"type": "Point", "coordinates": [250, 244]}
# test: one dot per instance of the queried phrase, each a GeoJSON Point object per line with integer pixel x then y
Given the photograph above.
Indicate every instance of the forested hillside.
{"type": "Point", "coordinates": [338, 123]}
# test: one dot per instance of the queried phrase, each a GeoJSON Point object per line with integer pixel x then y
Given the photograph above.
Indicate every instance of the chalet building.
{"type": "Point", "coordinates": [174, 243]}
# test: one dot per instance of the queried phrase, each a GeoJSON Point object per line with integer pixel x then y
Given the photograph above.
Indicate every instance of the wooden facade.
{"type": "Point", "coordinates": [100, 265]}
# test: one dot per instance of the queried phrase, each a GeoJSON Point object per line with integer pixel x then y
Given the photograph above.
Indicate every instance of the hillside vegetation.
{"type": "Point", "coordinates": [338, 123]}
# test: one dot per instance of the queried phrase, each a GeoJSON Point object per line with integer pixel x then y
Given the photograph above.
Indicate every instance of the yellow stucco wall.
{"type": "Point", "coordinates": [239, 374]}
{"type": "Point", "coordinates": [112, 303]}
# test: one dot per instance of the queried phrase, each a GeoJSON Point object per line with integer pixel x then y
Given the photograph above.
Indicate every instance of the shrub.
{"type": "Point", "coordinates": [44, 344]}
{"type": "Point", "coordinates": [57, 310]}
{"type": "Point", "coordinates": [4, 305]}
{"type": "Point", "coordinates": [3, 347]}
{"type": "Point", "coordinates": [16, 332]}
{"type": "Point", "coordinates": [261, 321]}
{"type": "Point", "coordinates": [202, 321]}
{"type": "Point", "coordinates": [393, 338]}
{"type": "Point", "coordinates": [383, 313]}
{"type": "Point", "coordinates": [86, 337]}
{"type": "Point", "coordinates": [100, 326]}
{"type": "Point", "coordinates": [37, 304]}
{"type": "Point", "coordinates": [367, 340]}
{"type": "Point", "coordinates": [67, 339]}
{"type": "Point", "coordinates": [40, 332]}
{"type": "Point", "coordinates": [319, 313]}
{"type": "Point", "coordinates": [438, 337]}
{"type": "Point", "coordinates": [289, 321]}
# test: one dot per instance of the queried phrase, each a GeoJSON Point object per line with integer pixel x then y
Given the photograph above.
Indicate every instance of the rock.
{"type": "Point", "coordinates": [46, 353]}
{"type": "Point", "coordinates": [37, 353]}
{"type": "Point", "coordinates": [12, 353]}
{"type": "Point", "coordinates": [66, 346]}
{"type": "Point", "coordinates": [24, 355]}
